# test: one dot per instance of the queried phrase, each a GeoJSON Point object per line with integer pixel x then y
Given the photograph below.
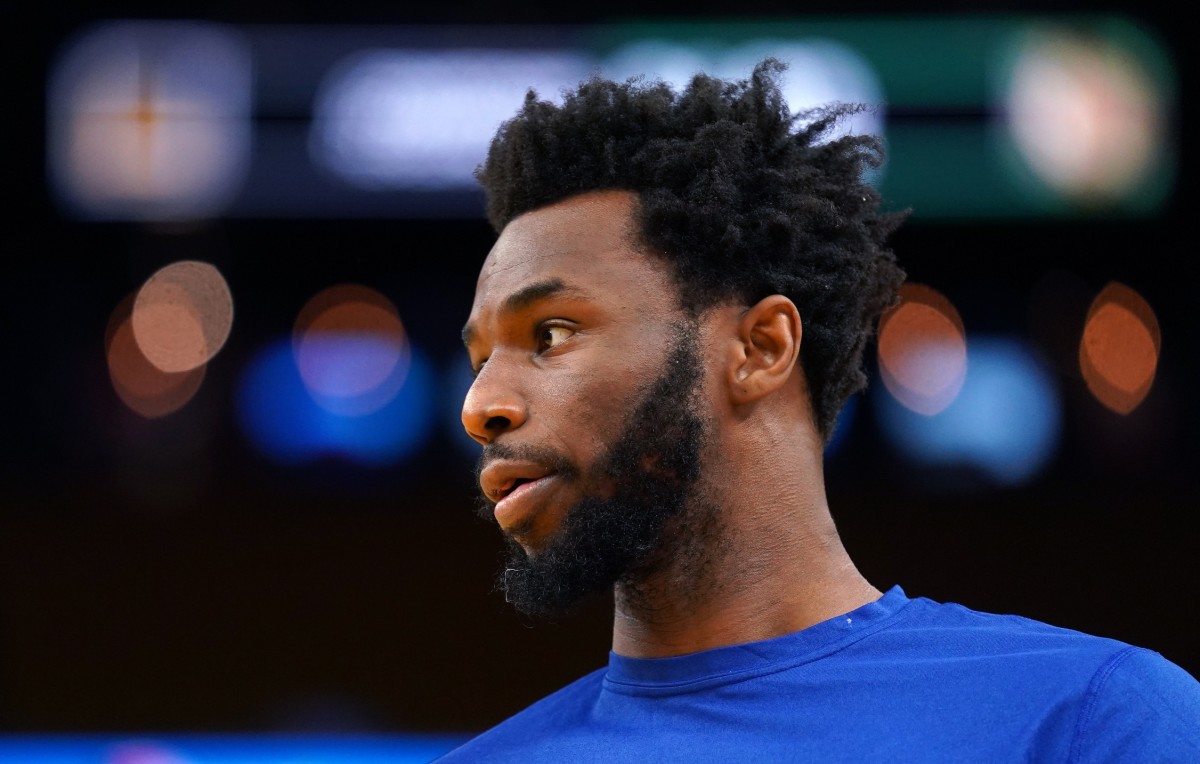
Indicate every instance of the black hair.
{"type": "Point", "coordinates": [741, 197]}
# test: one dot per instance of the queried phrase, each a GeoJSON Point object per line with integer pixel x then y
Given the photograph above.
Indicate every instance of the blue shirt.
{"type": "Point", "coordinates": [898, 680]}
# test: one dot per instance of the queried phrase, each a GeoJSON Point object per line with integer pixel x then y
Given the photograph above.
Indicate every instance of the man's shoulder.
{"type": "Point", "coordinates": [1139, 700]}
{"type": "Point", "coordinates": [951, 628]}
{"type": "Point", "coordinates": [1001, 654]}
{"type": "Point", "coordinates": [956, 632]}
{"type": "Point", "coordinates": [1107, 675]}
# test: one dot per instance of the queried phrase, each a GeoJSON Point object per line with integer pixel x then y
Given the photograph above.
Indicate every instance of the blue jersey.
{"type": "Point", "coordinates": [898, 680]}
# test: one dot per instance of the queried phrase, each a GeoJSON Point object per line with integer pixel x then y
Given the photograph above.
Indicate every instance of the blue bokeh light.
{"type": "Point", "coordinates": [285, 423]}
{"type": "Point", "coordinates": [1006, 421]}
{"type": "Point", "coordinates": [842, 427]}
{"type": "Point", "coordinates": [457, 378]}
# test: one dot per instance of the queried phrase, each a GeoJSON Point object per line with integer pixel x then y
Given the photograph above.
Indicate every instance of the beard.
{"type": "Point", "coordinates": [651, 514]}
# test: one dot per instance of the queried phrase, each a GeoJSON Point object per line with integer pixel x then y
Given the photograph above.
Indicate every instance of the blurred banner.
{"type": "Point", "coordinates": [995, 117]}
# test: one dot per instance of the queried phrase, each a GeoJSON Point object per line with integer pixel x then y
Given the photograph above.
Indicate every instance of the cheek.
{"type": "Point", "coordinates": [585, 397]}
{"type": "Point", "coordinates": [587, 411]}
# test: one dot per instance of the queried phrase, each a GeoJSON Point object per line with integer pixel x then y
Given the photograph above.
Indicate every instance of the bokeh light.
{"type": "Point", "coordinates": [457, 378]}
{"type": "Point", "coordinates": [283, 420]}
{"type": "Point", "coordinates": [1005, 423]}
{"type": "Point", "coordinates": [820, 71]}
{"type": "Point", "coordinates": [150, 120]}
{"type": "Point", "coordinates": [423, 118]}
{"type": "Point", "coordinates": [142, 386]}
{"type": "Point", "coordinates": [1119, 350]}
{"type": "Point", "coordinates": [351, 349]}
{"type": "Point", "coordinates": [922, 350]}
{"type": "Point", "coordinates": [182, 315]}
{"type": "Point", "coordinates": [1085, 114]}
{"type": "Point", "coordinates": [842, 427]}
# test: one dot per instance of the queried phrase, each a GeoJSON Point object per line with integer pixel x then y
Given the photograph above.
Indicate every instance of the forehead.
{"type": "Point", "coordinates": [587, 242]}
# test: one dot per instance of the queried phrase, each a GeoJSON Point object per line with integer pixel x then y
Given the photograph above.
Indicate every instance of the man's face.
{"type": "Point", "coordinates": [589, 377]}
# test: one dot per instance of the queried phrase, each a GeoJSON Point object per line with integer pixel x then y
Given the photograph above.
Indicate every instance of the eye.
{"type": "Point", "coordinates": [551, 336]}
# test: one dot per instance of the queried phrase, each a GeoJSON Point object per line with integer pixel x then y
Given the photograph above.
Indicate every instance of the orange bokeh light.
{"type": "Point", "coordinates": [1119, 350]}
{"type": "Point", "coordinates": [351, 349]}
{"type": "Point", "coordinates": [143, 387]}
{"type": "Point", "coordinates": [182, 316]}
{"type": "Point", "coordinates": [922, 350]}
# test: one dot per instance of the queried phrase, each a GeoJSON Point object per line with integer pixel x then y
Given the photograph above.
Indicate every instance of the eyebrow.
{"type": "Point", "coordinates": [529, 295]}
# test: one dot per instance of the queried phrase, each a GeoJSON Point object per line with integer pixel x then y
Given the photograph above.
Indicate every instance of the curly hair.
{"type": "Point", "coordinates": [741, 197]}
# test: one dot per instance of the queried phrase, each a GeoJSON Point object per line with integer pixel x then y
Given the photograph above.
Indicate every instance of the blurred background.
{"type": "Point", "coordinates": [236, 500]}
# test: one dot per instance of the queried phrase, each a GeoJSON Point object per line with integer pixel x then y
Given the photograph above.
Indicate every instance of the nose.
{"type": "Point", "coordinates": [491, 408]}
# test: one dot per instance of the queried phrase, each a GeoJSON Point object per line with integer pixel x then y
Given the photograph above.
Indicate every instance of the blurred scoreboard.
{"type": "Point", "coordinates": [986, 117]}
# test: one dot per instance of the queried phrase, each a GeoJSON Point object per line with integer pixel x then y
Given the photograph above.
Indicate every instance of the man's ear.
{"type": "Point", "coordinates": [765, 349]}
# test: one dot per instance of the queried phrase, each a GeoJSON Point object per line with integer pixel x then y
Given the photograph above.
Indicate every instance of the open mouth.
{"type": "Point", "coordinates": [510, 487]}
{"type": "Point", "coordinates": [503, 479]}
{"type": "Point", "coordinates": [513, 485]}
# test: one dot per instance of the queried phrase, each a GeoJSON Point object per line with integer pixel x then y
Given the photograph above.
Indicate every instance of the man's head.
{"type": "Point", "coordinates": [740, 197]}
{"type": "Point", "coordinates": [658, 255]}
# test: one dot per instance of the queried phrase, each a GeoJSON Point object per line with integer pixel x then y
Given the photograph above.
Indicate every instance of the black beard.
{"type": "Point", "coordinates": [653, 468]}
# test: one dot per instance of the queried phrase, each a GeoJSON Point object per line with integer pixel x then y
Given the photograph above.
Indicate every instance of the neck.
{"type": "Point", "coordinates": [763, 574]}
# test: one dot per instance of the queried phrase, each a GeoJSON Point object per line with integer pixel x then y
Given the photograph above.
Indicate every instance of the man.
{"type": "Point", "coordinates": [673, 314]}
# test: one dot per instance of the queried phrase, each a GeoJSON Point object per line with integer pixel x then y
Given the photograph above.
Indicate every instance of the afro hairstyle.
{"type": "Point", "coordinates": [742, 198]}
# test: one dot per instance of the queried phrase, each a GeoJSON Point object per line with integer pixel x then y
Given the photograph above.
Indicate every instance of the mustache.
{"type": "Point", "coordinates": [543, 457]}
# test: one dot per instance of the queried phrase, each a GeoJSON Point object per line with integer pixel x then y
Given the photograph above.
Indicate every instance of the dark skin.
{"type": "Point", "coordinates": [570, 318]}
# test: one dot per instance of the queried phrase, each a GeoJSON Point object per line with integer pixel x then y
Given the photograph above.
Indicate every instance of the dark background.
{"type": "Point", "coordinates": [162, 575]}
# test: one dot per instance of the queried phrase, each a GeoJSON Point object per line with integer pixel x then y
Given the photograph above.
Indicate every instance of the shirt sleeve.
{"type": "Point", "coordinates": [1140, 708]}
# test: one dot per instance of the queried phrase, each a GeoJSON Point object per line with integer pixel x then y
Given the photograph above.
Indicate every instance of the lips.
{"type": "Point", "coordinates": [515, 487]}
{"type": "Point", "coordinates": [501, 477]}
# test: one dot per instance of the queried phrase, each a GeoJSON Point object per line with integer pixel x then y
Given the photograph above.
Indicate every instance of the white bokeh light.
{"type": "Point", "coordinates": [150, 120]}
{"type": "Point", "coordinates": [423, 119]}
